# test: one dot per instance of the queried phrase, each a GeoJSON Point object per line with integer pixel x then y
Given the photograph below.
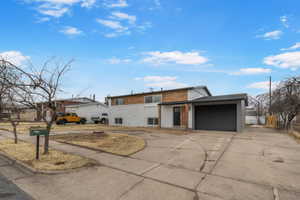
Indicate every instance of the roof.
{"type": "Point", "coordinates": [77, 99]}
{"type": "Point", "coordinates": [86, 104]}
{"type": "Point", "coordinates": [230, 97]}
{"type": "Point", "coordinates": [160, 91]}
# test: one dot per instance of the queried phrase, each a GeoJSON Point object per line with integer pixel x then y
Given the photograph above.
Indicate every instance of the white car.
{"type": "Point", "coordinates": [102, 118]}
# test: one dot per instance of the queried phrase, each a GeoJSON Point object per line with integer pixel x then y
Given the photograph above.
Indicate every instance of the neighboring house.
{"type": "Point", "coordinates": [88, 110]}
{"type": "Point", "coordinates": [61, 106]}
{"type": "Point", "coordinates": [252, 117]}
{"type": "Point", "coordinates": [28, 114]}
{"type": "Point", "coordinates": [191, 107]}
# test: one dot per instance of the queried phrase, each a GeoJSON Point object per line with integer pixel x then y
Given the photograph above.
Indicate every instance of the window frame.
{"type": "Point", "coordinates": [154, 121]}
{"type": "Point", "coordinates": [153, 98]}
{"type": "Point", "coordinates": [119, 101]}
{"type": "Point", "coordinates": [119, 120]}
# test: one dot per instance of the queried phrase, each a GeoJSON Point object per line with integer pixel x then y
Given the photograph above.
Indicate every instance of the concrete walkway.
{"type": "Point", "coordinates": [257, 164]}
{"type": "Point", "coordinates": [8, 190]}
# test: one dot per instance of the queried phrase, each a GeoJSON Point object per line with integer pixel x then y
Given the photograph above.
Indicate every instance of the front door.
{"type": "Point", "coordinates": [176, 116]}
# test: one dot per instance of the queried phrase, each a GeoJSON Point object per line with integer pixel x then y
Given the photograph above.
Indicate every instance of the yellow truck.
{"type": "Point", "coordinates": [65, 118]}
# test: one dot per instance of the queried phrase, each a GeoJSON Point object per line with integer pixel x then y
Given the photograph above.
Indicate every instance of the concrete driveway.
{"type": "Point", "coordinates": [257, 164]}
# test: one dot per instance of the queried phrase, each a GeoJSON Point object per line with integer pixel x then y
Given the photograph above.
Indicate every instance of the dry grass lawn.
{"type": "Point", "coordinates": [54, 161]}
{"type": "Point", "coordinates": [296, 135]}
{"type": "Point", "coordinates": [120, 144]}
{"type": "Point", "coordinates": [23, 128]}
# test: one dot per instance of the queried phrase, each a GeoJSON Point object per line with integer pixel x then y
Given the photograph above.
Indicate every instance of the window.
{"type": "Point", "coordinates": [119, 101]}
{"type": "Point", "coordinates": [153, 99]}
{"type": "Point", "coordinates": [118, 121]}
{"type": "Point", "coordinates": [104, 114]}
{"type": "Point", "coordinates": [152, 121]}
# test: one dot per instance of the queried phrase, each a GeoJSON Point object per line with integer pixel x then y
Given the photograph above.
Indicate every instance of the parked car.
{"type": "Point", "coordinates": [102, 118]}
{"type": "Point", "coordinates": [65, 118]}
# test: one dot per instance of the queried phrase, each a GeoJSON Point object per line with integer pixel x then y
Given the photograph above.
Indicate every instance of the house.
{"type": "Point", "coordinates": [28, 115]}
{"type": "Point", "coordinates": [61, 106]}
{"type": "Point", "coordinates": [88, 110]}
{"type": "Point", "coordinates": [253, 117]}
{"type": "Point", "coordinates": [189, 108]}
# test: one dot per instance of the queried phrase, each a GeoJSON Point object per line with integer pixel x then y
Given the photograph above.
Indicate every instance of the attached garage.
{"type": "Point", "coordinates": [220, 113]}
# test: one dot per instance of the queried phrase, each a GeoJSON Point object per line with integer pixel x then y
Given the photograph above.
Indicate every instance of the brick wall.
{"type": "Point", "coordinates": [184, 115]}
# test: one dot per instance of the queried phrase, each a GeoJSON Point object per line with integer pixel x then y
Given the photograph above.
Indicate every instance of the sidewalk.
{"type": "Point", "coordinates": [8, 190]}
{"type": "Point", "coordinates": [161, 166]}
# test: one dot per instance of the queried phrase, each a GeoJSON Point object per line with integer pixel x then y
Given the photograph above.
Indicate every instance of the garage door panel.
{"type": "Point", "coordinates": [216, 117]}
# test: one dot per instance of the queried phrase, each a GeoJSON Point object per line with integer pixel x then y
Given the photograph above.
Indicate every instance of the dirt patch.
{"type": "Point", "coordinates": [120, 144]}
{"type": "Point", "coordinates": [54, 161]}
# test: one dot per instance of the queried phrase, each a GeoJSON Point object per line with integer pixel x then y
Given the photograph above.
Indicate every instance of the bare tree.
{"type": "Point", "coordinates": [41, 87]}
{"type": "Point", "coordinates": [6, 73]}
{"type": "Point", "coordinates": [8, 103]}
{"type": "Point", "coordinates": [14, 109]}
{"type": "Point", "coordinates": [286, 101]}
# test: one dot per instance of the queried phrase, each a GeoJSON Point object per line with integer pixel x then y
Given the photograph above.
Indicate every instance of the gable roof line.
{"type": "Point", "coordinates": [162, 91]}
{"type": "Point", "coordinates": [87, 104]}
{"type": "Point", "coordinates": [230, 97]}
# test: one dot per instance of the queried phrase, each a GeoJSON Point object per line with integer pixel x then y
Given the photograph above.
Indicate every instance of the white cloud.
{"type": "Point", "coordinates": [115, 60]}
{"type": "Point", "coordinates": [289, 60]}
{"type": "Point", "coordinates": [59, 1]}
{"type": "Point", "coordinates": [58, 8]}
{"type": "Point", "coordinates": [284, 21]}
{"type": "Point", "coordinates": [69, 30]}
{"type": "Point", "coordinates": [273, 35]}
{"type": "Point", "coordinates": [116, 25]}
{"type": "Point", "coordinates": [124, 16]}
{"type": "Point", "coordinates": [88, 3]}
{"type": "Point", "coordinates": [53, 12]}
{"type": "Point", "coordinates": [251, 71]}
{"type": "Point", "coordinates": [161, 81]}
{"type": "Point", "coordinates": [263, 85]}
{"type": "Point", "coordinates": [116, 3]}
{"type": "Point", "coordinates": [15, 57]}
{"type": "Point", "coordinates": [177, 57]}
{"type": "Point", "coordinates": [295, 46]}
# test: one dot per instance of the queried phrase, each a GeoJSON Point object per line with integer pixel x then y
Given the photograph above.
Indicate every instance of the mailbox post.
{"type": "Point", "coordinates": [38, 131]}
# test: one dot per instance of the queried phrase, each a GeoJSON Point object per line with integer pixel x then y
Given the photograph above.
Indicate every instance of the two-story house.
{"type": "Point", "coordinates": [190, 107]}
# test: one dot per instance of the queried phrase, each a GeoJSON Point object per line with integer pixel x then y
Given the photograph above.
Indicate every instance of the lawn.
{"type": "Point", "coordinates": [296, 135]}
{"type": "Point", "coordinates": [55, 160]}
{"type": "Point", "coordinates": [23, 128]}
{"type": "Point", "coordinates": [120, 144]}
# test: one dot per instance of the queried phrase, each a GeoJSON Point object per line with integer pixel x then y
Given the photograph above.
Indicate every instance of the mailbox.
{"type": "Point", "coordinates": [35, 131]}
{"type": "Point", "coordinates": [38, 131]}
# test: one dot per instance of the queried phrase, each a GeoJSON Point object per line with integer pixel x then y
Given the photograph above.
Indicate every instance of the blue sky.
{"type": "Point", "coordinates": [121, 46]}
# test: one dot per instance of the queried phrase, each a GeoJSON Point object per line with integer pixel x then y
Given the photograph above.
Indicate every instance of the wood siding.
{"type": "Point", "coordinates": [168, 96]}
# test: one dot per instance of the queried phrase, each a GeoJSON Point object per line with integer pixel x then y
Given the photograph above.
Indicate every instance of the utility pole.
{"type": "Point", "coordinates": [270, 95]}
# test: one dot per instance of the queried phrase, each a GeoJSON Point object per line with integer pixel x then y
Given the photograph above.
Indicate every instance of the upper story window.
{"type": "Point", "coordinates": [153, 99]}
{"type": "Point", "coordinates": [119, 101]}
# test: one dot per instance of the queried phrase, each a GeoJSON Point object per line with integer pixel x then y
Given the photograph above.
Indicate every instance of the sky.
{"type": "Point", "coordinates": [124, 46]}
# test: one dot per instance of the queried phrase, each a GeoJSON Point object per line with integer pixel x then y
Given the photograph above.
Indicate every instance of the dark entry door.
{"type": "Point", "coordinates": [216, 117]}
{"type": "Point", "coordinates": [176, 116]}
